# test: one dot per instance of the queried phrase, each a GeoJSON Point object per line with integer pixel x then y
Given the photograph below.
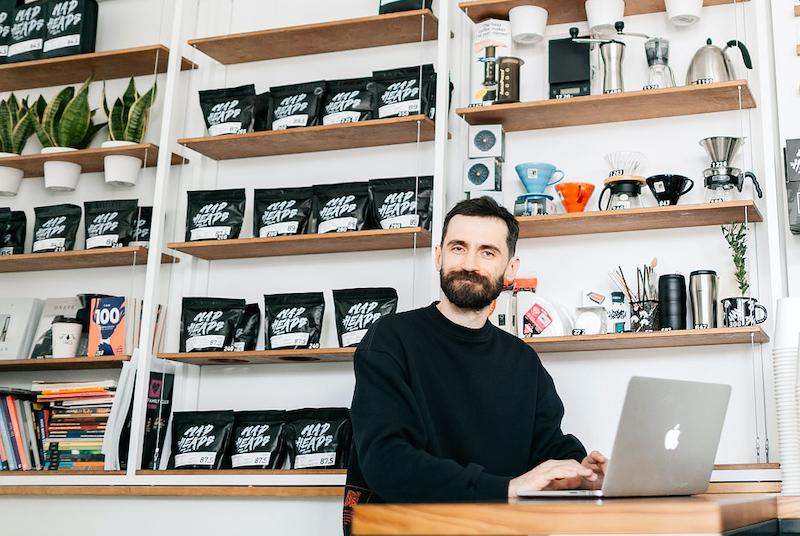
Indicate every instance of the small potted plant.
{"type": "Point", "coordinates": [127, 125]}
{"type": "Point", "coordinates": [64, 124]}
{"type": "Point", "coordinates": [741, 310]}
{"type": "Point", "coordinates": [15, 129]}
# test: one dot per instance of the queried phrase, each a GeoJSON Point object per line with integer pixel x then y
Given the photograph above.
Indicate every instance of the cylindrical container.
{"type": "Point", "coordinates": [684, 12]}
{"type": "Point", "coordinates": [703, 288]}
{"type": "Point", "coordinates": [612, 52]}
{"type": "Point", "coordinates": [66, 336]}
{"type": "Point", "coordinates": [618, 314]}
{"type": "Point", "coordinates": [672, 301]}
{"type": "Point", "coordinates": [508, 69]}
{"type": "Point", "coordinates": [603, 14]}
{"type": "Point", "coordinates": [528, 24]}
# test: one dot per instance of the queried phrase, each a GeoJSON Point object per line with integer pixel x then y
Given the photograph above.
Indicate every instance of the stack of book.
{"type": "Point", "coordinates": [21, 431]}
{"type": "Point", "coordinates": [78, 414]}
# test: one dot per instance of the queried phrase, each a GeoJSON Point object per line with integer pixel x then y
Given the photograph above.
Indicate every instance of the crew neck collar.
{"type": "Point", "coordinates": [456, 330]}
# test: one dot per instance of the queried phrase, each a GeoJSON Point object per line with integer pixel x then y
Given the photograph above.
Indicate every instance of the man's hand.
{"type": "Point", "coordinates": [553, 475]}
{"type": "Point", "coordinates": [598, 463]}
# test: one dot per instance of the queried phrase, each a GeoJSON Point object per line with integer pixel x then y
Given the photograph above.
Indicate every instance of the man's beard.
{"type": "Point", "coordinates": [469, 296]}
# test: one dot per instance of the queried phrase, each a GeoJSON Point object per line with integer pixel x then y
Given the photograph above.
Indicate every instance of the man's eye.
{"type": "Point", "coordinates": [488, 253]}
{"type": "Point", "coordinates": [458, 249]}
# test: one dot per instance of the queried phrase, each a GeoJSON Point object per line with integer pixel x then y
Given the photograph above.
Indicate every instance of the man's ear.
{"type": "Point", "coordinates": [512, 269]}
{"type": "Point", "coordinates": [438, 258]}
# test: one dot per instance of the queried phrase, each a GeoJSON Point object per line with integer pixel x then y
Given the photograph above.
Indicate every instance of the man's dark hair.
{"type": "Point", "coordinates": [486, 207]}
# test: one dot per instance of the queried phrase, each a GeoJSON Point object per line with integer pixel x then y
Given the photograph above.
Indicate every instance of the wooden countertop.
{"type": "Point", "coordinates": [709, 514]}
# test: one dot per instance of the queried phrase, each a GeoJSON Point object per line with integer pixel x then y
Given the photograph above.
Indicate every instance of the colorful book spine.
{"type": "Point", "coordinates": [12, 442]}
{"type": "Point", "coordinates": [18, 437]}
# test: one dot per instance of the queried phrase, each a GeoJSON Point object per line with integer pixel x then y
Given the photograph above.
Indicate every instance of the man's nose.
{"type": "Point", "coordinates": [470, 261]}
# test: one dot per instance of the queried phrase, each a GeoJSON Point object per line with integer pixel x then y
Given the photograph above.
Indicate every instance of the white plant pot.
{"type": "Point", "coordinates": [603, 14]}
{"type": "Point", "coordinates": [121, 170]}
{"type": "Point", "coordinates": [10, 178]}
{"type": "Point", "coordinates": [528, 24]}
{"type": "Point", "coordinates": [684, 12]}
{"type": "Point", "coordinates": [61, 176]}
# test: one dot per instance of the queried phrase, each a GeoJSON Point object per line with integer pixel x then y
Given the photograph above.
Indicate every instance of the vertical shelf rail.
{"type": "Point", "coordinates": [152, 279]}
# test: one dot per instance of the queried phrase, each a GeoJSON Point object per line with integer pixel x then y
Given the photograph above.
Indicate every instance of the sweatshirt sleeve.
{"type": "Point", "coordinates": [549, 442]}
{"type": "Point", "coordinates": [390, 439]}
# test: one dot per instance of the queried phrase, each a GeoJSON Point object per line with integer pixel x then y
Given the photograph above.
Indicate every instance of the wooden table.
{"type": "Point", "coordinates": [704, 514]}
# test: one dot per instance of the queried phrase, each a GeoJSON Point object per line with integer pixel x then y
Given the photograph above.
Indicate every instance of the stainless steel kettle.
{"type": "Point", "coordinates": [711, 64]}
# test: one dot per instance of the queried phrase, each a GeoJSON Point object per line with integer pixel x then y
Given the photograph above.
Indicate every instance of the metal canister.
{"type": "Point", "coordinates": [508, 68]}
{"type": "Point", "coordinates": [703, 294]}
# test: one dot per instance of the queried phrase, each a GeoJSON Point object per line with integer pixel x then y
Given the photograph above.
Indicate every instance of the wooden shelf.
{"type": "Point", "coordinates": [107, 65]}
{"type": "Point", "coordinates": [239, 472]}
{"type": "Point", "coordinates": [797, 11]}
{"type": "Point", "coordinates": [628, 106]}
{"type": "Point", "coordinates": [657, 339]}
{"type": "Point", "coordinates": [374, 133]}
{"type": "Point", "coordinates": [672, 217]}
{"type": "Point", "coordinates": [178, 491]}
{"type": "Point", "coordinates": [63, 363]}
{"type": "Point", "coordinates": [91, 160]}
{"type": "Point", "coordinates": [789, 507]}
{"type": "Point", "coordinates": [335, 36]}
{"type": "Point", "coordinates": [562, 11]}
{"type": "Point", "coordinates": [263, 357]}
{"type": "Point", "coordinates": [310, 244]}
{"type": "Point", "coordinates": [74, 260]}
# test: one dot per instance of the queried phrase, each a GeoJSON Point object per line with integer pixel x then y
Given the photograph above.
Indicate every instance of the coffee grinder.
{"type": "Point", "coordinates": [721, 178]}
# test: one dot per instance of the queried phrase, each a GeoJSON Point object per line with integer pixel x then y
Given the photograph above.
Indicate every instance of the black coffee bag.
{"type": "Point", "coordinates": [6, 20]}
{"type": "Point", "coordinates": [141, 228]}
{"type": "Point", "coordinates": [358, 308]}
{"type": "Point", "coordinates": [348, 101]}
{"type": "Point", "coordinates": [262, 119]}
{"type": "Point", "coordinates": [319, 438]}
{"type": "Point", "coordinates": [245, 337]}
{"type": "Point", "coordinates": [55, 227]}
{"type": "Point", "coordinates": [71, 27]}
{"type": "Point", "coordinates": [200, 439]}
{"type": "Point", "coordinates": [28, 31]}
{"type": "Point", "coordinates": [229, 111]}
{"type": "Point", "coordinates": [109, 224]}
{"type": "Point", "coordinates": [282, 211]}
{"type": "Point", "coordinates": [394, 6]}
{"type": "Point", "coordinates": [209, 324]}
{"type": "Point", "coordinates": [296, 105]}
{"type": "Point", "coordinates": [340, 207]}
{"type": "Point", "coordinates": [405, 91]}
{"type": "Point", "coordinates": [13, 240]}
{"type": "Point", "coordinates": [258, 440]}
{"type": "Point", "coordinates": [403, 202]}
{"type": "Point", "coordinates": [215, 214]}
{"type": "Point", "coordinates": [293, 321]}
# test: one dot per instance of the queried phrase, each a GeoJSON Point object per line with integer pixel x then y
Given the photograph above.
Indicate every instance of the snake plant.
{"type": "Point", "coordinates": [128, 117]}
{"type": "Point", "coordinates": [67, 120]}
{"type": "Point", "coordinates": [15, 125]}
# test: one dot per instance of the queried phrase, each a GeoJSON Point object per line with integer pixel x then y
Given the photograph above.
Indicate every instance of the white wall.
{"type": "Point", "coordinates": [591, 384]}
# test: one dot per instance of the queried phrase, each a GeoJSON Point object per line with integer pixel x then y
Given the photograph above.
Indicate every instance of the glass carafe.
{"type": "Point", "coordinates": [721, 192]}
{"type": "Point", "coordinates": [660, 75]}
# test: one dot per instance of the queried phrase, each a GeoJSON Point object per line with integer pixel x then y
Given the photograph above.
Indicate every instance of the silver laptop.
{"type": "Point", "coordinates": [666, 441]}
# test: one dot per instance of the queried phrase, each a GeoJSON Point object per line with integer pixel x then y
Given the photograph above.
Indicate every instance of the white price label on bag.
{"type": "Point", "coordinates": [195, 458]}
{"type": "Point", "coordinates": [322, 459]}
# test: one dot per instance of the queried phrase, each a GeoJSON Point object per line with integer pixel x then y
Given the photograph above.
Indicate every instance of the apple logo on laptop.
{"type": "Point", "coordinates": [671, 439]}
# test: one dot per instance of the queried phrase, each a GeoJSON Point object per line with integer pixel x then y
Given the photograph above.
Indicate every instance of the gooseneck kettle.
{"type": "Point", "coordinates": [712, 64]}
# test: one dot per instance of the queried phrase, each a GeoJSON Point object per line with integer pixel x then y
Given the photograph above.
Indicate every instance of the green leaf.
{"type": "Point", "coordinates": [6, 128]}
{"type": "Point", "coordinates": [138, 116]}
{"type": "Point", "coordinates": [39, 107]}
{"type": "Point", "coordinates": [13, 107]}
{"type": "Point", "coordinates": [54, 110]}
{"type": "Point", "coordinates": [116, 121]}
{"type": "Point", "coordinates": [90, 134]}
{"type": "Point", "coordinates": [75, 121]}
{"type": "Point", "coordinates": [105, 103]}
{"type": "Point", "coordinates": [129, 97]}
{"type": "Point", "coordinates": [22, 132]}
{"type": "Point", "coordinates": [41, 133]}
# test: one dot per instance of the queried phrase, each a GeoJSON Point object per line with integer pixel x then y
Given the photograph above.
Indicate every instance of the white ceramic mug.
{"type": "Point", "coordinates": [528, 24]}
{"type": "Point", "coordinates": [603, 14]}
{"type": "Point", "coordinates": [684, 12]}
{"type": "Point", "coordinates": [66, 335]}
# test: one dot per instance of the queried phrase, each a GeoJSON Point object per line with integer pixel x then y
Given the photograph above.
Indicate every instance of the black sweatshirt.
{"type": "Point", "coordinates": [445, 413]}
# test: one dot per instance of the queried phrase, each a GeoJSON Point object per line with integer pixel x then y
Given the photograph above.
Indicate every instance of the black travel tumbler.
{"type": "Point", "coordinates": [672, 301]}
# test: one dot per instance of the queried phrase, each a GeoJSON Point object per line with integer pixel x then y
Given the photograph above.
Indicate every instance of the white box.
{"type": "Point", "coordinates": [487, 141]}
{"type": "Point", "coordinates": [481, 174]}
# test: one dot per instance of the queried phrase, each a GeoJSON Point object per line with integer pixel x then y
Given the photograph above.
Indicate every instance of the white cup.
{"type": "Point", "coordinates": [787, 323]}
{"type": "Point", "coordinates": [528, 24]}
{"type": "Point", "coordinates": [684, 12]}
{"type": "Point", "coordinates": [603, 14]}
{"type": "Point", "coordinates": [66, 335]}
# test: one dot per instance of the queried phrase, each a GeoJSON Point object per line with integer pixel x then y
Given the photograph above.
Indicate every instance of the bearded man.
{"type": "Point", "coordinates": [447, 407]}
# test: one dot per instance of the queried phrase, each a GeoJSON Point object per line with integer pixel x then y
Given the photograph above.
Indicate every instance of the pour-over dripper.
{"type": "Point", "coordinates": [721, 149]}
